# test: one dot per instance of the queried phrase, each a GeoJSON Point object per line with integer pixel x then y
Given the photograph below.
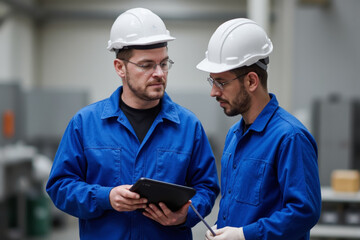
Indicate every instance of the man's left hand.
{"type": "Point", "coordinates": [165, 216]}
{"type": "Point", "coordinates": [225, 233]}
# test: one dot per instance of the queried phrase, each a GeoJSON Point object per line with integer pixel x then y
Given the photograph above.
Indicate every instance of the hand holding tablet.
{"type": "Point", "coordinates": [172, 195]}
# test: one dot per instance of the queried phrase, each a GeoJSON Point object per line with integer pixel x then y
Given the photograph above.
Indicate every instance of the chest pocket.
{"type": "Point", "coordinates": [172, 166]}
{"type": "Point", "coordinates": [249, 180]}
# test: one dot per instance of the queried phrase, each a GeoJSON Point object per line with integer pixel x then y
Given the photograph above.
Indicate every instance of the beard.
{"type": "Point", "coordinates": [143, 91]}
{"type": "Point", "coordinates": [241, 103]}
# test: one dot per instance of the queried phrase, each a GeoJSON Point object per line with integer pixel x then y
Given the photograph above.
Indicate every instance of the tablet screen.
{"type": "Point", "coordinates": [173, 195]}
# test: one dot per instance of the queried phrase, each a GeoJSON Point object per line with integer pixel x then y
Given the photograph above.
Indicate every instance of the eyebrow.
{"type": "Point", "coordinates": [149, 60]}
{"type": "Point", "coordinates": [217, 79]}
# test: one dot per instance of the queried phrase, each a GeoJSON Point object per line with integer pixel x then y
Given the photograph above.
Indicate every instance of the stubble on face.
{"type": "Point", "coordinates": [153, 89]}
{"type": "Point", "coordinates": [240, 104]}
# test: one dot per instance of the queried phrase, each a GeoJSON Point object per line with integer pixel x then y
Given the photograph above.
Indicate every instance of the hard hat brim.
{"type": "Point", "coordinates": [141, 42]}
{"type": "Point", "coordinates": [207, 66]}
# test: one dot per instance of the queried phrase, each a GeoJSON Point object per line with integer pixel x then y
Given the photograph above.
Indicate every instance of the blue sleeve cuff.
{"type": "Point", "coordinates": [102, 197]}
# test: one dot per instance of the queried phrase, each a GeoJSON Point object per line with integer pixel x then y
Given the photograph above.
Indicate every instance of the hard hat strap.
{"type": "Point", "coordinates": [263, 63]}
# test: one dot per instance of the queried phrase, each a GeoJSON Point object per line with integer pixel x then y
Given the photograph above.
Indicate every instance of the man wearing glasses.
{"type": "Point", "coordinates": [137, 132]}
{"type": "Point", "coordinates": [269, 174]}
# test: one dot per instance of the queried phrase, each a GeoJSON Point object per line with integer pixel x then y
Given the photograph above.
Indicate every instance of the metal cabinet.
{"type": "Point", "coordinates": [15, 182]}
{"type": "Point", "coordinates": [340, 216]}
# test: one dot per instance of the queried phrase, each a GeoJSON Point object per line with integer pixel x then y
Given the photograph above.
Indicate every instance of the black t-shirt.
{"type": "Point", "coordinates": [140, 119]}
{"type": "Point", "coordinates": [246, 127]}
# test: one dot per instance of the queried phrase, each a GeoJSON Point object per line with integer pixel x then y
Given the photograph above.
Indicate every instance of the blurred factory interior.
{"type": "Point", "coordinates": [54, 61]}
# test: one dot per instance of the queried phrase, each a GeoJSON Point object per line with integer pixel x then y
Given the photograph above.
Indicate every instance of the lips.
{"type": "Point", "coordinates": [221, 101]}
{"type": "Point", "coordinates": [156, 83]}
{"type": "Point", "coordinates": [222, 104]}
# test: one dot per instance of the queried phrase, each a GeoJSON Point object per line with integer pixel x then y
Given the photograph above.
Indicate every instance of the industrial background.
{"type": "Point", "coordinates": [53, 61]}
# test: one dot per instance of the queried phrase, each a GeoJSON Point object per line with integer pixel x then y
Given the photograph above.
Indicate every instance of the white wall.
{"type": "Point", "coordinates": [327, 52]}
{"type": "Point", "coordinates": [17, 48]}
{"type": "Point", "coordinates": [73, 55]}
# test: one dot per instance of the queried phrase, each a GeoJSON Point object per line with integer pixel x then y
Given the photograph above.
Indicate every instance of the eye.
{"type": "Point", "coordinates": [147, 66]}
{"type": "Point", "coordinates": [164, 64]}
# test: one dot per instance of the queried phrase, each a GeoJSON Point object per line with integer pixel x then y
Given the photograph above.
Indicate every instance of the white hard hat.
{"type": "Point", "coordinates": [236, 43]}
{"type": "Point", "coordinates": [137, 27]}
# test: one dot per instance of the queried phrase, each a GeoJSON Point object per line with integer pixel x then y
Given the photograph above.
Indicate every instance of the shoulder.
{"type": "Point", "coordinates": [287, 122]}
{"type": "Point", "coordinates": [185, 112]}
{"type": "Point", "coordinates": [287, 126]}
{"type": "Point", "coordinates": [95, 110]}
{"type": "Point", "coordinates": [175, 110]}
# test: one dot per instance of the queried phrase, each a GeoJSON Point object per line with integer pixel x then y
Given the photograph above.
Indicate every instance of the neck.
{"type": "Point", "coordinates": [258, 103]}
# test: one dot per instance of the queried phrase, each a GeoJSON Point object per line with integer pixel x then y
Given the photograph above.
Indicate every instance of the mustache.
{"type": "Point", "coordinates": [156, 80]}
{"type": "Point", "coordinates": [220, 99]}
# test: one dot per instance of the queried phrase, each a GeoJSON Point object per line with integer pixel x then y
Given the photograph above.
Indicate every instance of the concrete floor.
{"type": "Point", "coordinates": [71, 232]}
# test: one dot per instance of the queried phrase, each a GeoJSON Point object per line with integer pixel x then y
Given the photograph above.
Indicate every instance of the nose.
{"type": "Point", "coordinates": [158, 71]}
{"type": "Point", "coordinates": [215, 91]}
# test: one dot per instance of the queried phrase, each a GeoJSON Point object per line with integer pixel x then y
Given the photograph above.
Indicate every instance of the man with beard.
{"type": "Point", "coordinates": [269, 174]}
{"type": "Point", "coordinates": [137, 132]}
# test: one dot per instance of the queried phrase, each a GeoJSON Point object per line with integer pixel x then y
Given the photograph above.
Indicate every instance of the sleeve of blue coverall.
{"type": "Point", "coordinates": [66, 185]}
{"type": "Point", "coordinates": [298, 177]}
{"type": "Point", "coordinates": [202, 175]}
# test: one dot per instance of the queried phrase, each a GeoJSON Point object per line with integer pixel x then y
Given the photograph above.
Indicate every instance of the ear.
{"type": "Point", "coordinates": [253, 81]}
{"type": "Point", "coordinates": [119, 67]}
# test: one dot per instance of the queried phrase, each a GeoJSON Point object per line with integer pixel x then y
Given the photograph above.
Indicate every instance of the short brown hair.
{"type": "Point", "coordinates": [253, 68]}
{"type": "Point", "coordinates": [124, 54]}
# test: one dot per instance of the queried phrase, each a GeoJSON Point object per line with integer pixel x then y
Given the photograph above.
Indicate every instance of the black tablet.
{"type": "Point", "coordinates": [173, 195]}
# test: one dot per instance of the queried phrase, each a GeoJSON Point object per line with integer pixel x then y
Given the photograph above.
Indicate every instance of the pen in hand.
{"type": "Point", "coordinates": [202, 219]}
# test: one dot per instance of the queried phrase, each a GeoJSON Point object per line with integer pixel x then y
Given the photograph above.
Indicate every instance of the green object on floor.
{"type": "Point", "coordinates": [38, 215]}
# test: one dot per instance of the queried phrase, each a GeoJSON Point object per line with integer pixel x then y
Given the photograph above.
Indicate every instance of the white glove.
{"type": "Point", "coordinates": [226, 233]}
{"type": "Point", "coordinates": [208, 234]}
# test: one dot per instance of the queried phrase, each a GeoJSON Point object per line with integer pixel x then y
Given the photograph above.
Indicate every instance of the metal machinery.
{"type": "Point", "coordinates": [337, 132]}
{"type": "Point", "coordinates": [32, 123]}
{"type": "Point", "coordinates": [15, 183]}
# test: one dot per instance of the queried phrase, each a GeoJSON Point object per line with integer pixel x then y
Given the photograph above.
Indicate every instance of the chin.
{"type": "Point", "coordinates": [156, 96]}
{"type": "Point", "coordinates": [230, 113]}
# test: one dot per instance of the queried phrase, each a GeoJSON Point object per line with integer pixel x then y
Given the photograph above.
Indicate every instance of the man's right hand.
{"type": "Point", "coordinates": [123, 200]}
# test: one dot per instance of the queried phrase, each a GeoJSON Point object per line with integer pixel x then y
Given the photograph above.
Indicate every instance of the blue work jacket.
{"type": "Point", "coordinates": [269, 178]}
{"type": "Point", "coordinates": [99, 150]}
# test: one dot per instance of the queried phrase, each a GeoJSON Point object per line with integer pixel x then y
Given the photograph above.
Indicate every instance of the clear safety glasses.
{"type": "Point", "coordinates": [221, 85]}
{"type": "Point", "coordinates": [151, 66]}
